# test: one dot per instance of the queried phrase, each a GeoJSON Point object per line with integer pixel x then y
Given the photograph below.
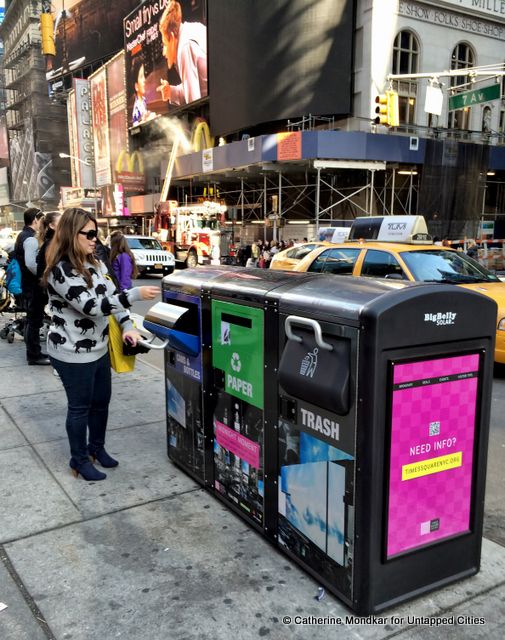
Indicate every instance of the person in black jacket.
{"type": "Point", "coordinates": [25, 250]}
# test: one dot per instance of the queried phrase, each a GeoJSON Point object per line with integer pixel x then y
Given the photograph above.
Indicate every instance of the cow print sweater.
{"type": "Point", "coordinates": [80, 326]}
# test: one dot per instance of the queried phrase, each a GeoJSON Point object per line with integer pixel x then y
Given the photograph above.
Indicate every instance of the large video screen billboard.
{"type": "Point", "coordinates": [166, 57]}
{"type": "Point", "coordinates": [86, 31]}
{"type": "Point", "coordinates": [279, 59]}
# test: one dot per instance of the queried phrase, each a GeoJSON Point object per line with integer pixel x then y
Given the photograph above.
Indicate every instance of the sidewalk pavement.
{"type": "Point", "coordinates": [147, 554]}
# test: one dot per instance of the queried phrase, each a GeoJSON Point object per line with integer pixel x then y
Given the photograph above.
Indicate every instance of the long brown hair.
{"type": "Point", "coordinates": [65, 244]}
{"type": "Point", "coordinates": [119, 244]}
{"type": "Point", "coordinates": [44, 232]}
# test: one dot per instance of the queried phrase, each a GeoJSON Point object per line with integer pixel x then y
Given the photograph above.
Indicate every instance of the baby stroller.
{"type": "Point", "coordinates": [11, 303]}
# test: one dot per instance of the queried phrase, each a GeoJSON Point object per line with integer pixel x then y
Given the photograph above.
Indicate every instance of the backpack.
{"type": "Point", "coordinates": [13, 277]}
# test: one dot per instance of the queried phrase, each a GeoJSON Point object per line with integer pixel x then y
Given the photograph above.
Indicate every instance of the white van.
{"type": "Point", "coordinates": [150, 256]}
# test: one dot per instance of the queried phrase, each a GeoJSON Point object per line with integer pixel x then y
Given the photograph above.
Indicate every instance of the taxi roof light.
{"type": "Point", "coordinates": [406, 229]}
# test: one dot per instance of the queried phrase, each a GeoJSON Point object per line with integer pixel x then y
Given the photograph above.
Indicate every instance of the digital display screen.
{"type": "Point", "coordinates": [278, 59]}
{"type": "Point", "coordinates": [86, 31]}
{"type": "Point", "coordinates": [166, 57]}
{"type": "Point", "coordinates": [434, 404]}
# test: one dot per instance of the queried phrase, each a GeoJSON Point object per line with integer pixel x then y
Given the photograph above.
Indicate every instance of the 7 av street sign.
{"type": "Point", "coordinates": [477, 96]}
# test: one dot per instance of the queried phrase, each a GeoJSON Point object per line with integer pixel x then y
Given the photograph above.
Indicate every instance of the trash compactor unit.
{"type": "Point", "coordinates": [346, 419]}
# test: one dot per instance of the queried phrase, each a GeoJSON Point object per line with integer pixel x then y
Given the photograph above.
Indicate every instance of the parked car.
{"type": "Point", "coordinates": [399, 248]}
{"type": "Point", "coordinates": [150, 255]}
{"type": "Point", "coordinates": [288, 258]}
{"type": "Point", "coordinates": [414, 262]}
{"type": "Point", "coordinates": [7, 239]}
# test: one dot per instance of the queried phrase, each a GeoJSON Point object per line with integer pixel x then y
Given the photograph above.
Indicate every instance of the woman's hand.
{"type": "Point", "coordinates": [131, 337]}
{"type": "Point", "coordinates": [149, 293]}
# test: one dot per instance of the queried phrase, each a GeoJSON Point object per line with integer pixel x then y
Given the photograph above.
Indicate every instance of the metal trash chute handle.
{"type": "Point", "coordinates": [307, 322]}
{"type": "Point", "coordinates": [147, 342]}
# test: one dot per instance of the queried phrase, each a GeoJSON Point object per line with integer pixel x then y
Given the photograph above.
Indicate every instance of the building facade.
{"type": "Point", "coordinates": [36, 126]}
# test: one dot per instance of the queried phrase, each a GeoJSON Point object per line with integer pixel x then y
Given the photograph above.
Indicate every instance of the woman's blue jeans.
{"type": "Point", "coordinates": [88, 389]}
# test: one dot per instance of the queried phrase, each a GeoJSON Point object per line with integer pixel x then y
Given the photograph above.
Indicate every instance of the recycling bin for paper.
{"type": "Point", "coordinates": [344, 418]}
{"type": "Point", "coordinates": [383, 422]}
{"type": "Point", "coordinates": [244, 319]}
{"type": "Point", "coordinates": [215, 398]}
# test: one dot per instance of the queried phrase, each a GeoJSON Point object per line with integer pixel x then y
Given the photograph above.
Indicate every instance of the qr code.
{"type": "Point", "coordinates": [434, 428]}
{"type": "Point", "coordinates": [425, 528]}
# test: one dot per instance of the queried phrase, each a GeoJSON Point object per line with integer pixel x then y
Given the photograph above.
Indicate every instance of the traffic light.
{"type": "Point", "coordinates": [47, 33]}
{"type": "Point", "coordinates": [393, 111]}
{"type": "Point", "coordinates": [381, 109]}
{"type": "Point", "coordinates": [387, 109]}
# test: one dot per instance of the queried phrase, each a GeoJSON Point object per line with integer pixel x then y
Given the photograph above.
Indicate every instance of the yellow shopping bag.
{"type": "Point", "coordinates": [118, 361]}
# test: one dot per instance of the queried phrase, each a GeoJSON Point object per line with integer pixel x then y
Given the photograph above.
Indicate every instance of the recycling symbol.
{"type": "Point", "coordinates": [236, 365]}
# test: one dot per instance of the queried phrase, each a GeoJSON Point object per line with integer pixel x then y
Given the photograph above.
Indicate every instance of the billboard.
{"type": "Point", "coordinates": [113, 203]}
{"type": "Point", "coordinates": [86, 31]}
{"type": "Point", "coordinates": [434, 405]}
{"type": "Point", "coordinates": [116, 94]}
{"type": "Point", "coordinates": [289, 59]}
{"type": "Point", "coordinates": [101, 139]}
{"type": "Point", "coordinates": [166, 57]}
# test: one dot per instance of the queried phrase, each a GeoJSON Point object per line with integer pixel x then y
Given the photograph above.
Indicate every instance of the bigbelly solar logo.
{"type": "Point", "coordinates": [441, 319]}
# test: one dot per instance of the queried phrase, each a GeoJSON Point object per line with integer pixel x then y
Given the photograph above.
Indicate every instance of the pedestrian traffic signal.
{"type": "Point", "coordinates": [381, 109]}
{"type": "Point", "coordinates": [387, 109]}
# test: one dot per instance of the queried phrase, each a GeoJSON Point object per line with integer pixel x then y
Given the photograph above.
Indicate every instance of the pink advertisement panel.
{"type": "Point", "coordinates": [432, 443]}
{"type": "Point", "coordinates": [238, 444]}
{"type": "Point", "coordinates": [98, 83]}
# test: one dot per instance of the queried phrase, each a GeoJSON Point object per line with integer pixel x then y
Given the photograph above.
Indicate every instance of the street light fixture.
{"type": "Point", "coordinates": [67, 155]}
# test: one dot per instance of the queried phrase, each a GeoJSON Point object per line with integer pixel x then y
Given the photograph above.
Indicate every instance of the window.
{"type": "Point", "coordinates": [336, 261]}
{"type": "Point", "coordinates": [486, 119]}
{"type": "Point", "coordinates": [144, 243]}
{"type": "Point", "coordinates": [297, 253]}
{"type": "Point", "coordinates": [380, 264]}
{"type": "Point", "coordinates": [462, 58]}
{"type": "Point", "coordinates": [440, 265]}
{"type": "Point", "coordinates": [405, 60]}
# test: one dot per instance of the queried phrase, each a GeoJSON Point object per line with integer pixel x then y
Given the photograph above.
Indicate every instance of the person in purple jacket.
{"type": "Point", "coordinates": [122, 260]}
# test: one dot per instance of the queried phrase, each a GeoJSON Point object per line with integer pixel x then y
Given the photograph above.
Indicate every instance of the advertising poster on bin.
{"type": "Point", "coordinates": [166, 57]}
{"type": "Point", "coordinates": [434, 404]}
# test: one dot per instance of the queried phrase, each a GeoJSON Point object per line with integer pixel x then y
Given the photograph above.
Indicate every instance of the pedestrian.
{"type": "Point", "coordinates": [122, 260]}
{"type": "Point", "coordinates": [45, 234]}
{"type": "Point", "coordinates": [25, 251]}
{"type": "Point", "coordinates": [83, 296]}
{"type": "Point", "coordinates": [473, 250]}
{"type": "Point", "coordinates": [255, 255]}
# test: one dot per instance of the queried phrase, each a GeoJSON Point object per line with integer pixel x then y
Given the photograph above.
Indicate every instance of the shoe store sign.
{"type": "Point", "coordinates": [444, 17]}
{"type": "Point", "coordinates": [237, 349]}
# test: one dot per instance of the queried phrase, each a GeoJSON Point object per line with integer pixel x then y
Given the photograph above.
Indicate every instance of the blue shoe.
{"type": "Point", "coordinates": [87, 471]}
{"type": "Point", "coordinates": [103, 458]}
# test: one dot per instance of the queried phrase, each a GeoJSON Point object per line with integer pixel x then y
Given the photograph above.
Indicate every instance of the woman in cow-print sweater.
{"type": "Point", "coordinates": [81, 298]}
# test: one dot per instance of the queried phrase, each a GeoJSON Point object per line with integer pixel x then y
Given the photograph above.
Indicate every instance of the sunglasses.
{"type": "Point", "coordinates": [39, 215]}
{"type": "Point", "coordinates": [90, 235]}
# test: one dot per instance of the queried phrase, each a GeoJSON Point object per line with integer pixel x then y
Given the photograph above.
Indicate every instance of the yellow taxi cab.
{"type": "Point", "coordinates": [415, 258]}
{"type": "Point", "coordinates": [287, 259]}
